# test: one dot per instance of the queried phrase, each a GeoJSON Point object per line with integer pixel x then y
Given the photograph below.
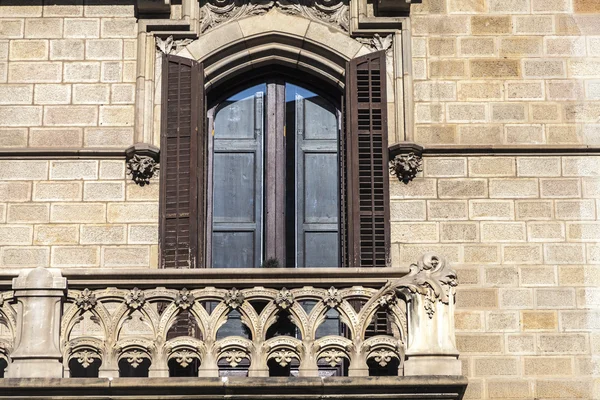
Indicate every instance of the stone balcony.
{"type": "Point", "coordinates": [231, 324]}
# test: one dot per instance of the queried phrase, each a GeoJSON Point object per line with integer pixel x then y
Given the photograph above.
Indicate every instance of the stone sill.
{"type": "Point", "coordinates": [219, 277]}
{"type": "Point", "coordinates": [423, 387]}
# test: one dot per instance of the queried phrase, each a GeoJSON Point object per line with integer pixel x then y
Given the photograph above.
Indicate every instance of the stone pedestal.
{"type": "Point", "coordinates": [39, 294]}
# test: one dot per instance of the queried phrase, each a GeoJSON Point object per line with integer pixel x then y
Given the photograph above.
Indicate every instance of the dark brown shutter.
{"type": "Point", "coordinates": [367, 159]}
{"type": "Point", "coordinates": [182, 163]}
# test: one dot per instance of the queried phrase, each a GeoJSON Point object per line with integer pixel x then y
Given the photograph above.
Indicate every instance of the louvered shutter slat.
{"type": "Point", "coordinates": [366, 156]}
{"type": "Point", "coordinates": [181, 162]}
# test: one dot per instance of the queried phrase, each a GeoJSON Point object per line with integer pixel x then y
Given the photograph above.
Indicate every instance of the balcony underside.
{"type": "Point", "coordinates": [338, 388]}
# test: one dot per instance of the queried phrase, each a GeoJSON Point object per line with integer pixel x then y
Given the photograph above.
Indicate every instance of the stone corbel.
{"type": "Point", "coordinates": [406, 161]}
{"type": "Point", "coordinates": [429, 290]}
{"type": "Point", "coordinates": [39, 294]}
{"type": "Point", "coordinates": [142, 161]}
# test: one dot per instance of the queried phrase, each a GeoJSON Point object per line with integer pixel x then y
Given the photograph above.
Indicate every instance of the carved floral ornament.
{"type": "Point", "coordinates": [86, 300]}
{"type": "Point", "coordinates": [85, 358]}
{"type": "Point", "coordinates": [406, 166]}
{"type": "Point", "coordinates": [135, 299]}
{"type": "Point", "coordinates": [184, 299]}
{"type": "Point", "coordinates": [284, 299]}
{"type": "Point", "coordinates": [234, 298]}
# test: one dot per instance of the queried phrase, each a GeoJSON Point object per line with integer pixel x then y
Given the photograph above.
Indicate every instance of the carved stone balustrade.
{"type": "Point", "coordinates": [139, 320]}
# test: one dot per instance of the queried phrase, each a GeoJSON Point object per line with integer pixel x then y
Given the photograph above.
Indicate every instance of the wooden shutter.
{"type": "Point", "coordinates": [182, 163]}
{"type": "Point", "coordinates": [367, 162]}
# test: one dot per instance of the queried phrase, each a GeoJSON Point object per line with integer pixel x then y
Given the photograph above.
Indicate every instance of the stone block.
{"type": "Point", "coordinates": [539, 320]}
{"type": "Point", "coordinates": [501, 276]}
{"type": "Point", "coordinates": [119, 28]}
{"type": "Point", "coordinates": [13, 137]}
{"type": "Point", "coordinates": [462, 188]}
{"type": "Point", "coordinates": [104, 49]}
{"type": "Point", "coordinates": [581, 166]}
{"type": "Point", "coordinates": [440, 47]}
{"type": "Point", "coordinates": [468, 321]}
{"type": "Point", "coordinates": [474, 389]}
{"type": "Point", "coordinates": [126, 256]}
{"type": "Point", "coordinates": [55, 137]}
{"type": "Point", "coordinates": [505, 389]}
{"type": "Point", "coordinates": [103, 234]}
{"type": "Point", "coordinates": [34, 72]}
{"type": "Point", "coordinates": [513, 188]}
{"type": "Point", "coordinates": [445, 167]}
{"type": "Point", "coordinates": [550, 6]}
{"type": "Point", "coordinates": [546, 112]}
{"type": "Point", "coordinates": [23, 170]}
{"type": "Point", "coordinates": [132, 212]}
{"type": "Point", "coordinates": [565, 389]}
{"type": "Point", "coordinates": [575, 209]}
{"type": "Point", "coordinates": [28, 256]}
{"type": "Point", "coordinates": [65, 8]}
{"type": "Point", "coordinates": [525, 134]}
{"type": "Point", "coordinates": [43, 28]}
{"type": "Point", "coordinates": [562, 253]}
{"type": "Point", "coordinates": [70, 170]}
{"type": "Point", "coordinates": [56, 234]}
{"type": "Point", "coordinates": [540, 366]}
{"type": "Point", "coordinates": [75, 256]}
{"type": "Point", "coordinates": [78, 212]}
{"type": "Point", "coordinates": [555, 298]}
{"type": "Point", "coordinates": [57, 191]}
{"type": "Point", "coordinates": [16, 234]}
{"type": "Point", "coordinates": [583, 231]}
{"type": "Point", "coordinates": [130, 49]}
{"type": "Point", "coordinates": [534, 24]}
{"type": "Point", "coordinates": [430, 7]}
{"type": "Point", "coordinates": [495, 68]}
{"type": "Point", "coordinates": [521, 46]}
{"type": "Point", "coordinates": [108, 137]}
{"type": "Point", "coordinates": [481, 134]}
{"type": "Point", "coordinates": [406, 210]}
{"type": "Point", "coordinates": [477, 46]}
{"type": "Point", "coordinates": [440, 25]}
{"type": "Point", "coordinates": [524, 90]}
{"type": "Point", "coordinates": [110, 169]}
{"type": "Point", "coordinates": [479, 343]}
{"type": "Point", "coordinates": [520, 344]}
{"type": "Point", "coordinates": [15, 191]}
{"type": "Point", "coordinates": [117, 115]}
{"type": "Point", "coordinates": [52, 94]}
{"type": "Point", "coordinates": [429, 112]}
{"type": "Point", "coordinates": [491, 210]}
{"type": "Point", "coordinates": [496, 366]}
{"type": "Point", "coordinates": [28, 213]}
{"type": "Point", "coordinates": [459, 232]}
{"type": "Point", "coordinates": [588, 297]}
{"type": "Point", "coordinates": [591, 187]}
{"type": "Point", "coordinates": [412, 251]}
{"type": "Point", "coordinates": [77, 72]}
{"type": "Point", "coordinates": [560, 187]}
{"type": "Point", "coordinates": [466, 6]}
{"type": "Point", "coordinates": [434, 91]}
{"type": "Point", "coordinates": [545, 232]}
{"type": "Point", "coordinates": [578, 24]}
{"type": "Point", "coordinates": [447, 68]}
{"type": "Point", "coordinates": [151, 191]}
{"type": "Point", "coordinates": [128, 72]}
{"type": "Point", "coordinates": [504, 321]}
{"type": "Point", "coordinates": [466, 112]}
{"type": "Point", "coordinates": [11, 28]}
{"type": "Point", "coordinates": [481, 254]}
{"type": "Point", "coordinates": [522, 254]}
{"type": "Point", "coordinates": [509, 7]}
{"type": "Point", "coordinates": [562, 134]}
{"type": "Point", "coordinates": [419, 188]}
{"type": "Point", "coordinates": [488, 25]}
{"type": "Point", "coordinates": [468, 275]}
{"type": "Point", "coordinates": [538, 166]}
{"type": "Point", "coordinates": [538, 276]}
{"type": "Point", "coordinates": [565, 46]}
{"type": "Point", "coordinates": [516, 298]}
{"type": "Point", "coordinates": [91, 94]}
{"type": "Point", "coordinates": [103, 191]}
{"type": "Point", "coordinates": [579, 275]}
{"type": "Point", "coordinates": [480, 91]}
{"type": "Point", "coordinates": [70, 115]}
{"type": "Point", "coordinates": [67, 49]}
{"type": "Point", "coordinates": [422, 232]}
{"type": "Point", "coordinates": [586, 6]}
{"type": "Point", "coordinates": [508, 112]}
{"type": "Point", "coordinates": [82, 27]}
{"type": "Point", "coordinates": [98, 8]}
{"type": "Point", "coordinates": [503, 231]}
{"type": "Point", "coordinates": [143, 234]}
{"type": "Point", "coordinates": [580, 112]}
{"type": "Point", "coordinates": [447, 210]}
{"type": "Point", "coordinates": [28, 50]}
{"type": "Point", "coordinates": [540, 68]}
{"type": "Point", "coordinates": [16, 94]}
{"type": "Point", "coordinates": [122, 93]}
{"type": "Point", "coordinates": [491, 166]}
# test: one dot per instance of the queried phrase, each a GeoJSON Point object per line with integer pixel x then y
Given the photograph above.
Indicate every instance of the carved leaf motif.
{"type": "Point", "coordinates": [406, 166]}
{"type": "Point", "coordinates": [332, 298]}
{"type": "Point", "coordinates": [169, 45]}
{"type": "Point", "coordinates": [142, 169]}
{"type": "Point", "coordinates": [184, 299]}
{"type": "Point", "coordinates": [283, 357]}
{"type": "Point", "coordinates": [234, 298]}
{"type": "Point", "coordinates": [135, 358]}
{"type": "Point", "coordinates": [284, 299]}
{"type": "Point", "coordinates": [86, 300]}
{"type": "Point", "coordinates": [135, 299]}
{"type": "Point", "coordinates": [234, 357]}
{"type": "Point", "coordinates": [85, 358]}
{"type": "Point", "coordinates": [184, 357]}
{"type": "Point", "coordinates": [383, 357]}
{"type": "Point", "coordinates": [333, 357]}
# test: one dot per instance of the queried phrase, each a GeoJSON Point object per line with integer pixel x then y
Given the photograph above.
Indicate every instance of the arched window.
{"type": "Point", "coordinates": [280, 172]}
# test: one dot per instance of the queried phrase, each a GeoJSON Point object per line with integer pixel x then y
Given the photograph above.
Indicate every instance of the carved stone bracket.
{"type": "Point", "coordinates": [406, 161]}
{"type": "Point", "coordinates": [378, 43]}
{"type": "Point", "coordinates": [169, 45]}
{"type": "Point", "coordinates": [142, 162]}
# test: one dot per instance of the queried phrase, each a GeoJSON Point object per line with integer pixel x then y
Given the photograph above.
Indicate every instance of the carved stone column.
{"type": "Point", "coordinates": [431, 348]}
{"type": "Point", "coordinates": [39, 294]}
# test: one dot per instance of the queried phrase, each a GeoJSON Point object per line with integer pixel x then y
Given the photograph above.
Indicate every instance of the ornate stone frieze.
{"type": "Point", "coordinates": [332, 12]}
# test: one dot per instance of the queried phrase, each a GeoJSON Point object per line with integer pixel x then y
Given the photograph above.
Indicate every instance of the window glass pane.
{"type": "Point", "coordinates": [234, 187]}
{"type": "Point", "coordinates": [233, 249]}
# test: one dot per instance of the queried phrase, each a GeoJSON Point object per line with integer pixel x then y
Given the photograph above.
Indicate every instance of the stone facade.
{"type": "Point", "coordinates": [504, 96]}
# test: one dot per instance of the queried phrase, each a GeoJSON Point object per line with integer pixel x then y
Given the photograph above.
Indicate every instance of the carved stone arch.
{"type": "Point", "coordinates": [283, 349]}
{"type": "Point", "coordinates": [134, 350]}
{"type": "Point", "coordinates": [382, 349]}
{"type": "Point", "coordinates": [293, 41]}
{"type": "Point", "coordinates": [234, 349]}
{"type": "Point", "coordinates": [81, 302]}
{"type": "Point", "coordinates": [333, 349]}
{"type": "Point", "coordinates": [86, 350]}
{"type": "Point", "coordinates": [184, 350]}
